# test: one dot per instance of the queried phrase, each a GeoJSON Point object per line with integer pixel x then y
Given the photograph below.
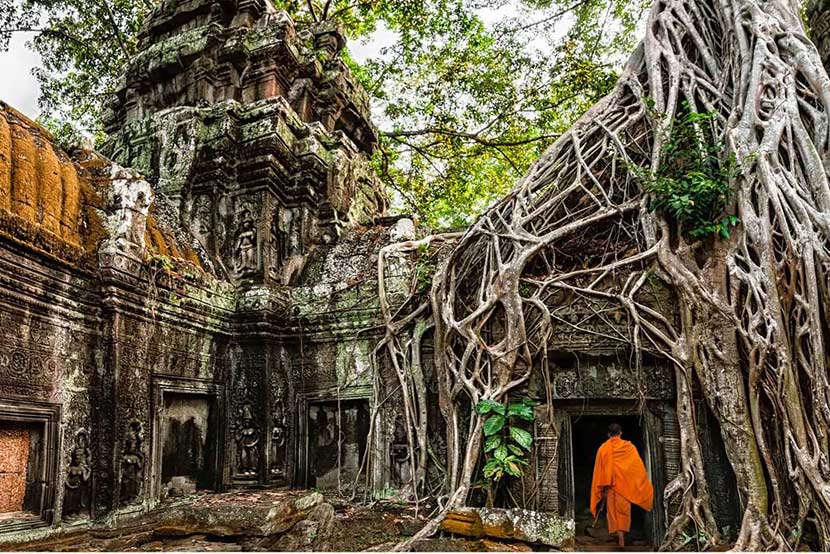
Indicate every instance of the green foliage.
{"type": "Point", "coordinates": [425, 269]}
{"type": "Point", "coordinates": [506, 444]}
{"type": "Point", "coordinates": [467, 93]}
{"type": "Point", "coordinates": [83, 45]}
{"type": "Point", "coordinates": [692, 185]}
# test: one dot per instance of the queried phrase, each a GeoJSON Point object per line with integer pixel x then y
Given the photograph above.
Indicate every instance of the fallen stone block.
{"type": "Point", "coordinates": [513, 524]}
{"type": "Point", "coordinates": [230, 519]}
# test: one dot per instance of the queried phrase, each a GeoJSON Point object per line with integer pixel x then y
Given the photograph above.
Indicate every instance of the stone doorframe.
{"type": "Point", "coordinates": [49, 416]}
{"type": "Point", "coordinates": [167, 384]}
{"type": "Point", "coordinates": [301, 438]}
{"type": "Point", "coordinates": [652, 423]}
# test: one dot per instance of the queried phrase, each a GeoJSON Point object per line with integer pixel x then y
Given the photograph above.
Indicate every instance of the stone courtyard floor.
{"type": "Point", "coordinates": [261, 521]}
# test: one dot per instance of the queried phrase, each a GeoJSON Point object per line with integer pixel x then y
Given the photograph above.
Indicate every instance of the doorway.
{"type": "Point", "coordinates": [336, 442]}
{"type": "Point", "coordinates": [29, 447]}
{"type": "Point", "coordinates": [188, 444]}
{"type": "Point", "coordinates": [588, 434]}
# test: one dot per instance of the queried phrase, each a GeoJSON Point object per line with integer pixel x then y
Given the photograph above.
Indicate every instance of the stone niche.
{"type": "Point", "coordinates": [187, 441]}
{"type": "Point", "coordinates": [28, 463]}
{"type": "Point", "coordinates": [334, 431]}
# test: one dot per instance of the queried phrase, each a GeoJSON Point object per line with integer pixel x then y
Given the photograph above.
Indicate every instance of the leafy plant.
{"type": "Point", "coordinates": [507, 443]}
{"type": "Point", "coordinates": [692, 184]}
{"type": "Point", "coordinates": [424, 269]}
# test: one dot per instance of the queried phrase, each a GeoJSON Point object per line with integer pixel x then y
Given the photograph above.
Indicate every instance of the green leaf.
{"type": "Point", "coordinates": [522, 437]}
{"type": "Point", "coordinates": [493, 469]}
{"type": "Point", "coordinates": [493, 425]}
{"type": "Point", "coordinates": [486, 406]}
{"type": "Point", "coordinates": [500, 453]}
{"type": "Point", "coordinates": [516, 450]}
{"type": "Point", "coordinates": [492, 443]}
{"type": "Point", "coordinates": [513, 469]}
{"type": "Point", "coordinates": [520, 410]}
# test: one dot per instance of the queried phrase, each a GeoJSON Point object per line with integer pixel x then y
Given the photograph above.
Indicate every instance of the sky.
{"type": "Point", "coordinates": [18, 87]}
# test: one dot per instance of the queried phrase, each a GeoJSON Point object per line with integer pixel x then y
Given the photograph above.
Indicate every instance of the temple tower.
{"type": "Point", "coordinates": [254, 129]}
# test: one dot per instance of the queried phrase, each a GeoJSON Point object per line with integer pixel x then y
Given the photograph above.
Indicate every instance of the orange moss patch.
{"type": "Point", "coordinates": [191, 256]}
{"type": "Point", "coordinates": [52, 204]}
{"type": "Point", "coordinates": [154, 239]}
{"type": "Point", "coordinates": [24, 174]}
{"type": "Point", "coordinates": [50, 189]}
{"type": "Point", "coordinates": [5, 164]}
{"type": "Point", "coordinates": [14, 458]}
{"type": "Point", "coordinates": [70, 202]}
{"type": "Point", "coordinates": [39, 183]}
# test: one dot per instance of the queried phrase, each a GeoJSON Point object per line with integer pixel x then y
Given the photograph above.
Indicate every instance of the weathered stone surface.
{"type": "Point", "coordinates": [232, 519]}
{"type": "Point", "coordinates": [14, 454]}
{"type": "Point", "coordinates": [515, 524]}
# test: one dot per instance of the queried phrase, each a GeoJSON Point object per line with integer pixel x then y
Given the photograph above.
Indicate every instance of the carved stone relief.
{"type": "Point", "coordinates": [247, 443]}
{"type": "Point", "coordinates": [201, 223]}
{"type": "Point", "coordinates": [279, 435]}
{"type": "Point", "coordinates": [76, 500]}
{"type": "Point", "coordinates": [399, 459]}
{"type": "Point", "coordinates": [129, 202]}
{"type": "Point", "coordinates": [132, 463]}
{"type": "Point", "coordinates": [245, 258]}
{"type": "Point", "coordinates": [609, 379]}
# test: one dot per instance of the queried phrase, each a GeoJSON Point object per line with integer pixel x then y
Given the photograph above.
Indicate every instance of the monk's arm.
{"type": "Point", "coordinates": [601, 479]}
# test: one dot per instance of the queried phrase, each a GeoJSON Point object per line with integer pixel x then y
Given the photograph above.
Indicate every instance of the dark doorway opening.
{"type": "Point", "coordinates": [337, 433]}
{"type": "Point", "coordinates": [188, 459]}
{"type": "Point", "coordinates": [589, 432]}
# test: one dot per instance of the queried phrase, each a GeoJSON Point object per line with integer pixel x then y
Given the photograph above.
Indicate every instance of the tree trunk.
{"type": "Point", "coordinates": [752, 309]}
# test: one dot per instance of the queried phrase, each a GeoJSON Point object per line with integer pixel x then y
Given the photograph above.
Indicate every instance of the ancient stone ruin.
{"type": "Point", "coordinates": [195, 307]}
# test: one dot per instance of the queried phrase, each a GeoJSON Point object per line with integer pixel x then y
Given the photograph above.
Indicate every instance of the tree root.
{"type": "Point", "coordinates": [750, 323]}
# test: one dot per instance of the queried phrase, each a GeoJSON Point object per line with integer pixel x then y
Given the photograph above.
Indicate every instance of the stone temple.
{"type": "Point", "coordinates": [195, 307]}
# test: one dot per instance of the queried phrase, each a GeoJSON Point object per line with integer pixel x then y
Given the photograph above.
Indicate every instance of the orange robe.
{"type": "Point", "coordinates": [620, 474]}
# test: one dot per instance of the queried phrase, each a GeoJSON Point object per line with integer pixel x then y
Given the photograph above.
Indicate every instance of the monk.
{"type": "Point", "coordinates": [620, 479]}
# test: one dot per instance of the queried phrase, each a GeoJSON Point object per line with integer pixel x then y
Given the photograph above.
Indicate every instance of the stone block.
{"type": "Point", "coordinates": [514, 524]}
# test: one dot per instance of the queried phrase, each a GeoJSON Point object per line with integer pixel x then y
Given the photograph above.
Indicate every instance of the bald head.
{"type": "Point", "coordinates": [614, 430]}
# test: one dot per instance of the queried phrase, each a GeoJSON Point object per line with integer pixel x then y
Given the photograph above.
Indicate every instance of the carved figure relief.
{"type": "Point", "coordinates": [202, 223]}
{"type": "Point", "coordinates": [399, 458]}
{"type": "Point", "coordinates": [76, 500]}
{"type": "Point", "coordinates": [247, 443]}
{"type": "Point", "coordinates": [277, 242]}
{"type": "Point", "coordinates": [132, 463]}
{"type": "Point", "coordinates": [245, 240]}
{"type": "Point", "coordinates": [279, 434]}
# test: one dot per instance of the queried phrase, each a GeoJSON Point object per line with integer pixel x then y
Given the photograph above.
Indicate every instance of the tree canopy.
{"type": "Point", "coordinates": [466, 94]}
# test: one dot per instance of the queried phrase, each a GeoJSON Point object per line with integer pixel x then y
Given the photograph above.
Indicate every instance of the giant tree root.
{"type": "Point", "coordinates": [751, 319]}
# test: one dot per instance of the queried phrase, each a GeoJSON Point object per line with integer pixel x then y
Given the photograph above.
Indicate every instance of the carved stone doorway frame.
{"type": "Point", "coordinates": [304, 400]}
{"type": "Point", "coordinates": [164, 385]}
{"type": "Point", "coordinates": [47, 415]}
{"type": "Point", "coordinates": [651, 424]}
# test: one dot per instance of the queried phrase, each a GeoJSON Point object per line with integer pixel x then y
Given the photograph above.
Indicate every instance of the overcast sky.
{"type": "Point", "coordinates": [18, 87]}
